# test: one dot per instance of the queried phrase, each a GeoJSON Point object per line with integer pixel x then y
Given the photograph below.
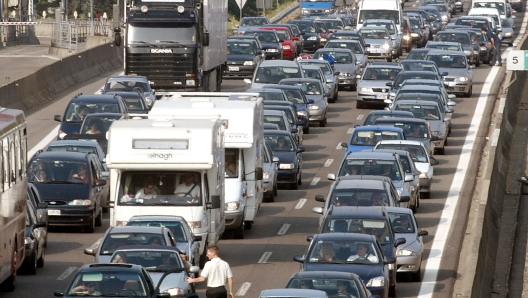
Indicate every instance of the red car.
{"type": "Point", "coordinates": [289, 48]}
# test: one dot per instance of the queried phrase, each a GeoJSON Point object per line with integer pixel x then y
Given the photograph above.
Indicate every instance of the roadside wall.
{"type": "Point", "coordinates": [42, 86]}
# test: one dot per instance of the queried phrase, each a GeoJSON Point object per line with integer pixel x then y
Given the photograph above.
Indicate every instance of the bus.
{"type": "Point", "coordinates": [13, 194]}
{"type": "Point", "coordinates": [316, 7]}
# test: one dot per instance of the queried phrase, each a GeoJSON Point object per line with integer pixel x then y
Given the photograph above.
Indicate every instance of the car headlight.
{"type": "Point", "coordinates": [190, 82]}
{"type": "Point", "coordinates": [436, 133]}
{"type": "Point", "coordinates": [423, 176]}
{"type": "Point", "coordinates": [376, 282]}
{"type": "Point", "coordinates": [386, 46]}
{"type": "Point", "coordinates": [468, 52]}
{"type": "Point", "coordinates": [286, 166]}
{"type": "Point", "coordinates": [265, 176]}
{"type": "Point", "coordinates": [305, 11]}
{"type": "Point", "coordinates": [483, 48]}
{"type": "Point", "coordinates": [313, 107]}
{"type": "Point", "coordinates": [312, 38]}
{"type": "Point", "coordinates": [508, 34]}
{"type": "Point", "coordinates": [365, 89]}
{"type": "Point", "coordinates": [463, 79]}
{"type": "Point", "coordinates": [232, 206]}
{"type": "Point", "coordinates": [80, 202]}
{"type": "Point", "coordinates": [323, 39]}
{"type": "Point", "coordinates": [249, 63]}
{"type": "Point", "coordinates": [405, 252]}
{"type": "Point", "coordinates": [272, 50]}
{"type": "Point", "coordinates": [444, 18]}
{"type": "Point", "coordinates": [407, 37]}
{"type": "Point", "coordinates": [302, 113]}
{"type": "Point", "coordinates": [286, 47]}
{"type": "Point", "coordinates": [344, 74]}
{"type": "Point", "coordinates": [195, 224]}
{"type": "Point", "coordinates": [414, 34]}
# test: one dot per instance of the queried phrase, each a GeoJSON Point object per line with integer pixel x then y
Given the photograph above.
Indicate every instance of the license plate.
{"type": "Point", "coordinates": [381, 96]}
{"type": "Point", "coordinates": [53, 212]}
{"type": "Point", "coordinates": [233, 68]}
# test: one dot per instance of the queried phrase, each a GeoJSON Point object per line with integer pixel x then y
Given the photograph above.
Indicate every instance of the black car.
{"type": "Point", "coordinates": [418, 54]}
{"type": "Point", "coordinates": [290, 156]}
{"type": "Point", "coordinates": [73, 185]}
{"type": "Point", "coordinates": [135, 102]}
{"type": "Point", "coordinates": [297, 34]}
{"type": "Point", "coordinates": [312, 39]}
{"type": "Point", "coordinates": [365, 220]}
{"type": "Point", "coordinates": [407, 75]}
{"type": "Point", "coordinates": [81, 105]}
{"type": "Point", "coordinates": [462, 37]}
{"type": "Point", "coordinates": [242, 58]}
{"type": "Point", "coordinates": [291, 113]}
{"type": "Point", "coordinates": [373, 115]}
{"type": "Point", "coordinates": [35, 241]}
{"type": "Point", "coordinates": [271, 44]}
{"type": "Point", "coordinates": [374, 271]}
{"type": "Point", "coordinates": [328, 281]}
{"type": "Point", "coordinates": [112, 280]}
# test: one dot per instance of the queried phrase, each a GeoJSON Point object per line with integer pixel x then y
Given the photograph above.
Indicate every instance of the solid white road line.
{"type": "Point", "coordinates": [44, 142]}
{"type": "Point", "coordinates": [300, 204]}
{"type": "Point", "coordinates": [66, 273]}
{"type": "Point", "coordinates": [315, 181]}
{"type": "Point", "coordinates": [495, 137]}
{"type": "Point", "coordinates": [446, 219]}
{"type": "Point", "coordinates": [265, 257]}
{"type": "Point", "coordinates": [243, 289]}
{"type": "Point", "coordinates": [502, 103]}
{"type": "Point", "coordinates": [284, 229]}
{"type": "Point", "coordinates": [328, 162]}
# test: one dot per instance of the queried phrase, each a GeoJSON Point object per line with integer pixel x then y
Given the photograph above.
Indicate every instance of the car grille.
{"type": "Point", "coordinates": [57, 203]}
{"type": "Point", "coordinates": [375, 46]}
{"type": "Point", "coordinates": [383, 90]}
{"type": "Point", "coordinates": [448, 79]}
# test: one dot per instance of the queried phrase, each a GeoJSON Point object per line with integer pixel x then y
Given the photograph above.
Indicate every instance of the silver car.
{"type": "Point", "coordinates": [460, 74]}
{"type": "Point", "coordinates": [250, 23]}
{"type": "Point", "coordinates": [130, 84]}
{"type": "Point", "coordinates": [271, 170]}
{"type": "Point", "coordinates": [506, 35]}
{"type": "Point", "coordinates": [372, 86]}
{"type": "Point", "coordinates": [292, 293]}
{"type": "Point", "coordinates": [329, 73]}
{"type": "Point", "coordinates": [345, 63]}
{"type": "Point", "coordinates": [380, 41]}
{"type": "Point", "coordinates": [312, 89]}
{"type": "Point", "coordinates": [353, 45]}
{"type": "Point", "coordinates": [396, 37]}
{"type": "Point", "coordinates": [272, 71]}
{"type": "Point", "coordinates": [315, 72]}
{"type": "Point", "coordinates": [409, 255]}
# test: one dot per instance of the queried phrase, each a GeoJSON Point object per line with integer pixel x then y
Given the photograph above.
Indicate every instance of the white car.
{"type": "Point", "coordinates": [271, 170]}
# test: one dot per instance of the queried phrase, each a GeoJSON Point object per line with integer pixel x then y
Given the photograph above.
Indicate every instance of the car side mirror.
{"type": "Point", "coordinates": [389, 84]}
{"type": "Point", "coordinates": [197, 237]}
{"type": "Point", "coordinates": [331, 177]}
{"type": "Point", "coordinates": [405, 199]}
{"type": "Point", "coordinates": [276, 159]}
{"type": "Point", "coordinates": [319, 198]}
{"type": "Point", "coordinates": [423, 233]}
{"type": "Point", "coordinates": [433, 161]}
{"type": "Point", "coordinates": [89, 251]}
{"type": "Point", "coordinates": [318, 210]}
{"type": "Point", "coordinates": [358, 62]}
{"type": "Point", "coordinates": [42, 205]}
{"type": "Point", "coordinates": [367, 45]}
{"type": "Point", "coordinates": [101, 182]}
{"type": "Point", "coordinates": [58, 293]}
{"type": "Point", "coordinates": [409, 178]}
{"type": "Point", "coordinates": [298, 258]}
{"type": "Point", "coordinates": [399, 242]}
{"type": "Point", "coordinates": [247, 81]}
{"type": "Point", "coordinates": [389, 260]}
{"type": "Point", "coordinates": [310, 101]}
{"type": "Point", "coordinates": [296, 38]}
{"type": "Point", "coordinates": [259, 173]}
{"type": "Point", "coordinates": [281, 40]}
{"type": "Point", "coordinates": [309, 238]}
{"type": "Point", "coordinates": [57, 118]}
{"type": "Point", "coordinates": [294, 130]}
{"type": "Point", "coordinates": [300, 149]}
{"type": "Point", "coordinates": [435, 138]}
{"type": "Point", "coordinates": [344, 145]}
{"type": "Point", "coordinates": [214, 203]}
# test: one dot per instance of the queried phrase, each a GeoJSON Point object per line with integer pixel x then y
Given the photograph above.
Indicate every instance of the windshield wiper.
{"type": "Point", "coordinates": [62, 182]}
{"type": "Point", "coordinates": [172, 42]}
{"type": "Point", "coordinates": [147, 43]}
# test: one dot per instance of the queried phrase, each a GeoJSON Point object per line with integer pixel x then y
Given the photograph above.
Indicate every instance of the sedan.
{"type": "Point", "coordinates": [242, 58]}
{"type": "Point", "coordinates": [366, 137]}
{"type": "Point", "coordinates": [345, 63]}
{"type": "Point", "coordinates": [270, 41]}
{"type": "Point", "coordinates": [380, 41]}
{"type": "Point", "coordinates": [372, 86]}
{"type": "Point", "coordinates": [313, 90]}
{"type": "Point", "coordinates": [186, 241]}
{"type": "Point", "coordinates": [353, 45]}
{"type": "Point", "coordinates": [471, 50]}
{"type": "Point", "coordinates": [271, 170]}
{"type": "Point", "coordinates": [329, 281]}
{"type": "Point", "coordinates": [507, 34]}
{"type": "Point", "coordinates": [289, 154]}
{"type": "Point", "coordinates": [130, 84]}
{"type": "Point", "coordinates": [409, 255]}
{"type": "Point", "coordinates": [329, 73]}
{"type": "Point", "coordinates": [460, 78]}
{"type": "Point", "coordinates": [35, 242]}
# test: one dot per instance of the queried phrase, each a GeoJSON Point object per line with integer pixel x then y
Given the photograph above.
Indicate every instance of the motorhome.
{"type": "Point", "coordinates": [243, 146]}
{"type": "Point", "coordinates": [169, 167]}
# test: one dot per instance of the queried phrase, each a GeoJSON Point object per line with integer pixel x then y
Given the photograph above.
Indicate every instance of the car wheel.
{"type": "Point", "coordinates": [40, 261]}
{"type": "Point", "coordinates": [99, 218]}
{"type": "Point", "coordinates": [470, 92]}
{"type": "Point", "coordinates": [90, 228]}
{"type": "Point", "coordinates": [248, 225]}
{"type": "Point", "coordinates": [359, 104]}
{"type": "Point", "coordinates": [271, 197]}
{"type": "Point", "coordinates": [510, 44]}
{"type": "Point", "coordinates": [30, 267]}
{"type": "Point", "coordinates": [416, 276]}
{"type": "Point", "coordinates": [445, 142]}
{"type": "Point", "coordinates": [322, 123]}
{"type": "Point", "coordinates": [353, 87]}
{"type": "Point", "coordinates": [203, 256]}
{"type": "Point", "coordinates": [477, 64]}
{"type": "Point", "coordinates": [299, 180]}
{"type": "Point", "coordinates": [275, 192]}
{"type": "Point", "coordinates": [426, 195]}
{"type": "Point", "coordinates": [306, 130]}
{"type": "Point", "coordinates": [331, 100]}
{"type": "Point", "coordinates": [238, 233]}
{"type": "Point", "coordinates": [441, 151]}
{"type": "Point", "coordinates": [336, 94]}
{"type": "Point", "coordinates": [392, 291]}
{"type": "Point", "coordinates": [416, 204]}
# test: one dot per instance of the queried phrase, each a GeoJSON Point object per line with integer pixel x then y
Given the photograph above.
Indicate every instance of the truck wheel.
{"type": "Point", "coordinates": [10, 283]}
{"type": "Point", "coordinates": [238, 233]}
{"type": "Point", "coordinates": [248, 225]}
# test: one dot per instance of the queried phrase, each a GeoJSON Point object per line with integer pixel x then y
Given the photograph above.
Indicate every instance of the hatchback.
{"type": "Point", "coordinates": [313, 90]}
{"type": "Point", "coordinates": [131, 84]}
{"type": "Point", "coordinates": [366, 137]}
{"type": "Point", "coordinates": [289, 154]}
{"type": "Point", "coordinates": [345, 63]}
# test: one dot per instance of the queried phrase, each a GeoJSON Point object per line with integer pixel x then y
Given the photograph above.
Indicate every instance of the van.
{"type": "Point", "coordinates": [380, 9]}
{"type": "Point", "coordinates": [499, 5]}
{"type": "Point", "coordinates": [491, 12]}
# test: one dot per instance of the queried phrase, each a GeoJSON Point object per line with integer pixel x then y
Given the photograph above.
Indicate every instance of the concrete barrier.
{"type": "Point", "coordinates": [42, 86]}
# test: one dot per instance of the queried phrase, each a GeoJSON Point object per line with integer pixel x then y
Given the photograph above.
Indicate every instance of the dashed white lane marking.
{"type": "Point", "coordinates": [328, 162]}
{"type": "Point", "coordinates": [284, 229]}
{"type": "Point", "coordinates": [315, 181]}
{"type": "Point", "coordinates": [243, 289]}
{"type": "Point", "coordinates": [66, 273]}
{"type": "Point", "coordinates": [360, 117]}
{"type": "Point", "coordinates": [495, 137]}
{"type": "Point", "coordinates": [264, 258]}
{"type": "Point", "coordinates": [300, 204]}
{"type": "Point", "coordinates": [502, 103]}
{"type": "Point", "coordinates": [350, 130]}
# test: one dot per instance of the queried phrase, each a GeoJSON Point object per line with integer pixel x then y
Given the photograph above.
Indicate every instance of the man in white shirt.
{"type": "Point", "coordinates": [216, 272]}
{"type": "Point", "coordinates": [188, 188]}
{"type": "Point", "coordinates": [362, 254]}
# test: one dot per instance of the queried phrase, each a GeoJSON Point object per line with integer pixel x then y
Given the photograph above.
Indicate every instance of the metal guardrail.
{"type": "Point", "coordinates": [68, 34]}
{"type": "Point", "coordinates": [285, 13]}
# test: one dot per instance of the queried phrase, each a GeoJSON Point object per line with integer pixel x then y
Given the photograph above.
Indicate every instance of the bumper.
{"type": "Point", "coordinates": [288, 54]}
{"type": "Point", "coordinates": [382, 291]}
{"type": "Point", "coordinates": [408, 263]}
{"type": "Point", "coordinates": [268, 188]}
{"type": "Point", "coordinates": [457, 87]}
{"type": "Point", "coordinates": [312, 45]}
{"type": "Point", "coordinates": [425, 184]}
{"type": "Point", "coordinates": [439, 144]}
{"type": "Point", "coordinates": [317, 115]}
{"type": "Point", "coordinates": [373, 98]}
{"type": "Point", "coordinates": [378, 54]}
{"type": "Point", "coordinates": [239, 71]}
{"type": "Point", "coordinates": [233, 219]}
{"type": "Point", "coordinates": [272, 55]}
{"type": "Point", "coordinates": [287, 176]}
{"type": "Point", "coordinates": [71, 216]}
{"type": "Point", "coordinates": [346, 81]}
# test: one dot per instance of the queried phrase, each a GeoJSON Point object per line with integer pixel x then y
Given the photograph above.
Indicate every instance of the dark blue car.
{"type": "Point", "coordinates": [290, 156]}
{"type": "Point", "coordinates": [329, 281]}
{"type": "Point", "coordinates": [366, 137]}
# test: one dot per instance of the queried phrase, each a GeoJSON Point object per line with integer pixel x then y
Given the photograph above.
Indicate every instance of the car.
{"type": "Point", "coordinates": [79, 146]}
{"type": "Point", "coordinates": [350, 35]}
{"type": "Point", "coordinates": [429, 111]}
{"type": "Point", "coordinates": [159, 260]}
{"type": "Point", "coordinates": [251, 38]}
{"type": "Point", "coordinates": [292, 293]}
{"type": "Point", "coordinates": [39, 206]}
{"type": "Point", "coordinates": [414, 129]}
{"type": "Point", "coordinates": [417, 28]}
{"type": "Point", "coordinates": [291, 113]}
{"type": "Point", "coordinates": [328, 281]}
{"type": "Point", "coordinates": [390, 25]}
{"type": "Point", "coordinates": [130, 83]}
{"type": "Point", "coordinates": [312, 39]}
{"type": "Point", "coordinates": [375, 273]}
{"type": "Point", "coordinates": [485, 48]}
{"type": "Point", "coordinates": [475, 22]}
{"type": "Point", "coordinates": [289, 45]}
{"type": "Point", "coordinates": [111, 280]}
{"type": "Point", "coordinates": [353, 45]}
{"type": "Point", "coordinates": [270, 42]}
{"type": "Point", "coordinates": [272, 71]}
{"type": "Point", "coordinates": [418, 54]}
{"type": "Point", "coordinates": [315, 72]}
{"type": "Point", "coordinates": [373, 115]}
{"type": "Point", "coordinates": [442, 8]}
{"type": "Point", "coordinates": [323, 31]}
{"type": "Point", "coordinates": [333, 24]}
{"type": "Point", "coordinates": [186, 241]}
{"type": "Point", "coordinates": [345, 63]}
{"type": "Point", "coordinates": [366, 137]}
{"type": "Point", "coordinates": [409, 255]}
{"type": "Point", "coordinates": [507, 34]}
{"type": "Point", "coordinates": [279, 118]}
{"type": "Point", "coordinates": [242, 58]}
{"type": "Point", "coordinates": [35, 242]}
{"type": "Point", "coordinates": [290, 157]}
{"type": "Point", "coordinates": [380, 41]}
{"type": "Point", "coordinates": [460, 77]}
{"type": "Point", "coordinates": [313, 90]}
{"type": "Point", "coordinates": [354, 189]}
{"type": "Point", "coordinates": [373, 221]}
{"type": "Point", "coordinates": [329, 73]}
{"type": "Point", "coordinates": [372, 84]}
{"type": "Point", "coordinates": [427, 19]}
{"type": "Point", "coordinates": [75, 187]}
{"type": "Point", "coordinates": [470, 49]}
{"type": "Point", "coordinates": [421, 82]}
{"type": "Point", "coordinates": [420, 65]}
{"type": "Point", "coordinates": [407, 75]}
{"type": "Point", "coordinates": [436, 18]}
{"type": "Point", "coordinates": [269, 94]}
{"type": "Point", "coordinates": [250, 24]}
{"type": "Point", "coordinates": [422, 160]}
{"type": "Point", "coordinates": [444, 45]}
{"type": "Point", "coordinates": [81, 105]}
{"type": "Point", "coordinates": [298, 38]}
{"type": "Point", "coordinates": [271, 170]}
{"type": "Point", "coordinates": [116, 237]}
{"type": "Point", "coordinates": [135, 102]}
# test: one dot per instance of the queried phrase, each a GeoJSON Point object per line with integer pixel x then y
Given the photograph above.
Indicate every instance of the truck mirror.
{"type": "Point", "coordinates": [215, 202]}
{"type": "Point", "coordinates": [117, 36]}
{"type": "Point", "coordinates": [206, 39]}
{"type": "Point", "coordinates": [259, 173]}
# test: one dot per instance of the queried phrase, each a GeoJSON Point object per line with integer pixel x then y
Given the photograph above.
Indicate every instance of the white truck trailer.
{"type": "Point", "coordinates": [180, 161]}
{"type": "Point", "coordinates": [243, 142]}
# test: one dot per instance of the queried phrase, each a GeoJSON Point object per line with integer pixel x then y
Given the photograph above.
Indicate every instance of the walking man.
{"type": "Point", "coordinates": [495, 45]}
{"type": "Point", "coordinates": [216, 272]}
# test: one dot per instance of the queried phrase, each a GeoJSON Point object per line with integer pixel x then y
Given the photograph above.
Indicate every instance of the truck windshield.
{"type": "Point", "coordinates": [143, 33]}
{"type": "Point", "coordinates": [379, 14]}
{"type": "Point", "coordinates": [160, 189]}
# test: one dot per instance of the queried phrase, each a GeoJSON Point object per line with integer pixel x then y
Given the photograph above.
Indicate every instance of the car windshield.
{"type": "Point", "coordinates": [410, 129]}
{"type": "Point", "coordinates": [134, 103]}
{"type": "Point", "coordinates": [176, 227]}
{"type": "Point", "coordinates": [380, 15]}
{"type": "Point", "coordinates": [58, 172]}
{"type": "Point", "coordinates": [295, 96]}
{"type": "Point", "coordinates": [357, 196]}
{"type": "Point", "coordinates": [473, 23]}
{"type": "Point", "coordinates": [453, 37]}
{"type": "Point", "coordinates": [280, 142]}
{"type": "Point", "coordinates": [272, 95]}
{"type": "Point", "coordinates": [372, 137]}
{"type": "Point", "coordinates": [355, 47]}
{"type": "Point", "coordinates": [344, 36]}
{"type": "Point", "coordinates": [417, 55]}
{"type": "Point", "coordinates": [390, 27]}
{"type": "Point", "coordinates": [109, 283]}
{"type": "Point", "coordinates": [347, 287]}
{"type": "Point", "coordinates": [151, 260]}
{"type": "Point", "coordinates": [124, 85]}
{"type": "Point", "coordinates": [372, 117]}
{"type": "Point", "coordinates": [446, 47]}
{"type": "Point", "coordinates": [282, 34]}
{"type": "Point", "coordinates": [325, 67]}
{"type": "Point", "coordinates": [373, 167]}
{"type": "Point", "coordinates": [264, 36]}
{"type": "Point", "coordinates": [306, 27]}
{"type": "Point", "coordinates": [448, 61]}
{"type": "Point", "coordinates": [343, 252]}
{"type": "Point", "coordinates": [407, 76]}
{"type": "Point", "coordinates": [77, 111]}
{"type": "Point", "coordinates": [73, 148]}
{"type": "Point", "coordinates": [115, 240]}
{"type": "Point", "coordinates": [368, 226]}
{"type": "Point", "coordinates": [427, 112]}
{"type": "Point", "coordinates": [98, 124]}
{"type": "Point", "coordinates": [334, 24]}
{"type": "Point", "coordinates": [307, 88]}
{"type": "Point", "coordinates": [169, 188]}
{"type": "Point", "coordinates": [379, 73]}
{"type": "Point", "coordinates": [373, 34]}
{"type": "Point", "coordinates": [253, 22]}
{"type": "Point", "coordinates": [402, 223]}
{"type": "Point", "coordinates": [279, 120]}
{"type": "Point", "coordinates": [273, 74]}
{"type": "Point", "coordinates": [240, 48]}
{"type": "Point", "coordinates": [417, 152]}
{"type": "Point", "coordinates": [419, 66]}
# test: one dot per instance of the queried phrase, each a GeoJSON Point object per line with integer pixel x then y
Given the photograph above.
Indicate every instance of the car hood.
{"type": "Point", "coordinates": [286, 156]}
{"type": "Point", "coordinates": [330, 78]}
{"type": "Point", "coordinates": [422, 166]}
{"type": "Point", "coordinates": [349, 68]}
{"type": "Point", "coordinates": [270, 46]}
{"type": "Point", "coordinates": [411, 241]}
{"type": "Point", "coordinates": [239, 57]}
{"type": "Point", "coordinates": [374, 83]}
{"type": "Point", "coordinates": [316, 97]}
{"type": "Point", "coordinates": [455, 72]}
{"type": "Point", "coordinates": [372, 41]}
{"type": "Point", "coordinates": [63, 192]}
{"type": "Point", "coordinates": [173, 280]}
{"type": "Point", "coordinates": [357, 148]}
{"type": "Point", "coordinates": [436, 125]}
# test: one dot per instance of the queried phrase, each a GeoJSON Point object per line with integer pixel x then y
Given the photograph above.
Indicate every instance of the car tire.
{"type": "Point", "coordinates": [299, 180]}
{"type": "Point", "coordinates": [416, 276]}
{"type": "Point", "coordinates": [416, 204]}
{"type": "Point", "coordinates": [306, 130]}
{"type": "Point", "coordinates": [477, 64]}
{"type": "Point", "coordinates": [90, 228]}
{"type": "Point", "coordinates": [40, 261]}
{"type": "Point", "coordinates": [238, 233]}
{"type": "Point", "coordinates": [248, 225]}
{"type": "Point", "coordinates": [470, 92]}
{"type": "Point", "coordinates": [445, 142]}
{"type": "Point", "coordinates": [203, 256]}
{"type": "Point", "coordinates": [353, 87]}
{"type": "Point", "coordinates": [271, 197]}
{"type": "Point", "coordinates": [392, 291]}
{"type": "Point", "coordinates": [336, 95]}
{"type": "Point", "coordinates": [359, 104]}
{"type": "Point", "coordinates": [510, 44]}
{"type": "Point", "coordinates": [30, 267]}
{"type": "Point", "coordinates": [322, 123]}
{"type": "Point", "coordinates": [275, 189]}
{"type": "Point", "coordinates": [99, 219]}
{"type": "Point", "coordinates": [426, 195]}
{"type": "Point", "coordinates": [441, 151]}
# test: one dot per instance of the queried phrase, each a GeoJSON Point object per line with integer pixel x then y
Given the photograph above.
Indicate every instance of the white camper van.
{"type": "Point", "coordinates": [243, 146]}
{"type": "Point", "coordinates": [169, 167]}
{"type": "Point", "coordinates": [380, 9]}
